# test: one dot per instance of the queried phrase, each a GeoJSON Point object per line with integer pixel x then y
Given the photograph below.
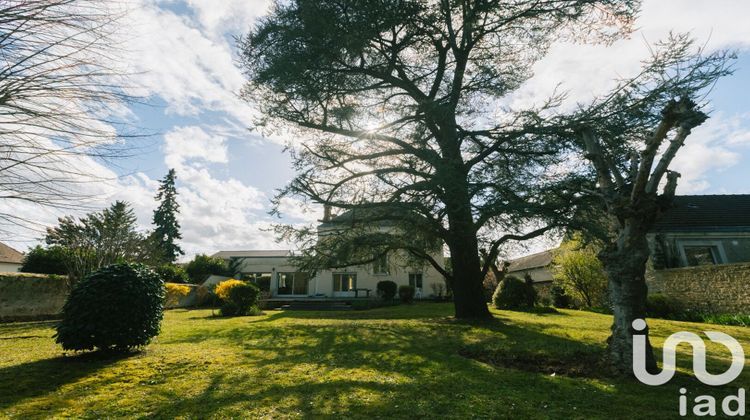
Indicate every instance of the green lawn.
{"type": "Point", "coordinates": [406, 361]}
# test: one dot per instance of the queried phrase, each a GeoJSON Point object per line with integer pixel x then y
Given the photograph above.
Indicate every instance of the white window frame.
{"type": "Point", "coordinates": [721, 257]}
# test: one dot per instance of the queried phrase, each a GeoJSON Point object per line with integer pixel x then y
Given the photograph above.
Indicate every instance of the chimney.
{"type": "Point", "coordinates": [326, 213]}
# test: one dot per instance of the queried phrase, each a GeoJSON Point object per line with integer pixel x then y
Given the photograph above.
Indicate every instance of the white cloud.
{"type": "Point", "coordinates": [293, 208]}
{"type": "Point", "coordinates": [193, 142]}
{"type": "Point", "coordinates": [715, 146]}
{"type": "Point", "coordinates": [175, 59]}
{"type": "Point", "coordinates": [219, 17]}
{"type": "Point", "coordinates": [215, 213]}
{"type": "Point", "coordinates": [586, 70]}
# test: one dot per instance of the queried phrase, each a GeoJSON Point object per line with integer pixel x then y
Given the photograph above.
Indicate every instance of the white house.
{"type": "Point", "coordinates": [272, 271]}
{"type": "Point", "coordinates": [10, 259]}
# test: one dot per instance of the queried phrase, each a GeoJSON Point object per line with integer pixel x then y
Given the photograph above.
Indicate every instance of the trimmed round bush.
{"type": "Point", "coordinates": [117, 308]}
{"type": "Point", "coordinates": [237, 297]}
{"type": "Point", "coordinates": [512, 293]}
{"type": "Point", "coordinates": [386, 289]}
{"type": "Point", "coordinates": [406, 293]}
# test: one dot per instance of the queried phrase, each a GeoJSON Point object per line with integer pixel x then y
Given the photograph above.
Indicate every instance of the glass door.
{"type": "Point", "coordinates": [292, 284]}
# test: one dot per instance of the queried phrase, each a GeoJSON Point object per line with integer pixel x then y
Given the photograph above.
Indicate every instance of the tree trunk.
{"type": "Point", "coordinates": [468, 294]}
{"type": "Point", "coordinates": [626, 269]}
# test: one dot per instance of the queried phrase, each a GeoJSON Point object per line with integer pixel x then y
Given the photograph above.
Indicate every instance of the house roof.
{"type": "Point", "coordinates": [540, 259]}
{"type": "Point", "coordinates": [253, 253]}
{"type": "Point", "coordinates": [10, 255]}
{"type": "Point", "coordinates": [706, 213]}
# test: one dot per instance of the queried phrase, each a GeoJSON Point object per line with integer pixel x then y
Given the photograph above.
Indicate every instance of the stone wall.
{"type": "Point", "coordinates": [25, 296]}
{"type": "Point", "coordinates": [29, 297]}
{"type": "Point", "coordinates": [715, 288]}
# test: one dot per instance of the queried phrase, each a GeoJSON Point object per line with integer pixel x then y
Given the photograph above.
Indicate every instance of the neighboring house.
{"type": "Point", "coordinates": [697, 230]}
{"type": "Point", "coordinates": [10, 259]}
{"type": "Point", "coordinates": [272, 271]}
{"type": "Point", "coordinates": [538, 266]}
{"type": "Point", "coordinates": [700, 254]}
{"type": "Point", "coordinates": [702, 230]}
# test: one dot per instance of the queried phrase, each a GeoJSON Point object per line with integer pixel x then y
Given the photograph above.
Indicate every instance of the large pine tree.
{"type": "Point", "coordinates": [165, 218]}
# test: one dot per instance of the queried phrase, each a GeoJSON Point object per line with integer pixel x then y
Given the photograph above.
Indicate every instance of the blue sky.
{"type": "Point", "coordinates": [183, 58]}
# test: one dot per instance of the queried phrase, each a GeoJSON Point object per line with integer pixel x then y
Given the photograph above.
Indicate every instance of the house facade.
{"type": "Point", "coordinates": [537, 266]}
{"type": "Point", "coordinates": [10, 259]}
{"type": "Point", "coordinates": [274, 272]}
{"type": "Point", "coordinates": [702, 230]}
{"type": "Point", "coordinates": [699, 254]}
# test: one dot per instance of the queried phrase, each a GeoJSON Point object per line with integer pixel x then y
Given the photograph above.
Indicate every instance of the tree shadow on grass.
{"type": "Point", "coordinates": [397, 370]}
{"type": "Point", "coordinates": [32, 379]}
{"type": "Point", "coordinates": [22, 327]}
{"type": "Point", "coordinates": [416, 311]}
{"type": "Point", "coordinates": [358, 369]}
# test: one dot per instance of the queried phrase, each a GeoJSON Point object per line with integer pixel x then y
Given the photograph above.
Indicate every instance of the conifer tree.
{"type": "Point", "coordinates": [165, 218]}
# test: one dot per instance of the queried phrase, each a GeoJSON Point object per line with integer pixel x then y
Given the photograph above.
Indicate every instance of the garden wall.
{"type": "Point", "coordinates": [26, 297]}
{"type": "Point", "coordinates": [30, 297]}
{"type": "Point", "coordinates": [715, 288]}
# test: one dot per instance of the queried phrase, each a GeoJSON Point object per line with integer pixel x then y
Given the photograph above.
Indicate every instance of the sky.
{"type": "Point", "coordinates": [183, 59]}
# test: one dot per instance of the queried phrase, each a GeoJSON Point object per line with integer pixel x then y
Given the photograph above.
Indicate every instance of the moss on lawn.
{"type": "Point", "coordinates": [396, 362]}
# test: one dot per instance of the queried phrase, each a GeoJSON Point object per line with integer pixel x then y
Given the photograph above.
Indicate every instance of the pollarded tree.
{"type": "Point", "coordinates": [400, 100]}
{"type": "Point", "coordinates": [630, 137]}
{"type": "Point", "coordinates": [167, 229]}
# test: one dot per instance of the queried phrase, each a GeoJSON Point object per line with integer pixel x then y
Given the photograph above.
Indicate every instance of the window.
{"type": "Point", "coordinates": [701, 252]}
{"type": "Point", "coordinates": [415, 280]}
{"type": "Point", "coordinates": [344, 282]}
{"type": "Point", "coordinates": [700, 255]}
{"type": "Point", "coordinates": [292, 284]}
{"type": "Point", "coordinates": [380, 265]}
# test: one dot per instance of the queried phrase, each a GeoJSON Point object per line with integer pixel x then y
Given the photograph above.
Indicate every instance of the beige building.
{"type": "Point", "coordinates": [10, 259]}
{"type": "Point", "coordinates": [538, 266]}
{"type": "Point", "coordinates": [272, 271]}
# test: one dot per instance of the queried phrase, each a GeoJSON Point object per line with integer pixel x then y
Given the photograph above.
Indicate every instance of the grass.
{"type": "Point", "coordinates": [396, 362]}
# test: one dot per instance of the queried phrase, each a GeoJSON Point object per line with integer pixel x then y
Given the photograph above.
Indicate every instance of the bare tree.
{"type": "Point", "coordinates": [630, 137]}
{"type": "Point", "coordinates": [400, 101]}
{"type": "Point", "coordinates": [60, 94]}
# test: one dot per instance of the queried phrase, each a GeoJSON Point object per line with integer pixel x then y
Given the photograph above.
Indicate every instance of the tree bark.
{"type": "Point", "coordinates": [625, 269]}
{"type": "Point", "coordinates": [468, 293]}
